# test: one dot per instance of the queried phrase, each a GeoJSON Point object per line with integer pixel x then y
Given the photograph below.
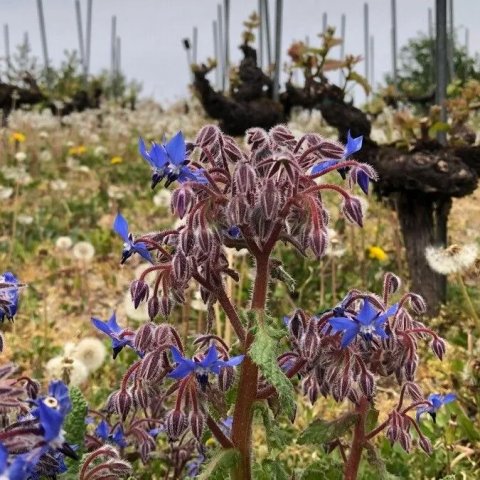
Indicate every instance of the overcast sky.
{"type": "Point", "coordinates": [151, 31]}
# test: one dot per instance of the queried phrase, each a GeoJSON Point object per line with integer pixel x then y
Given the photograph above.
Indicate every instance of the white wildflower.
{"type": "Point", "coordinates": [58, 184]}
{"type": "Point", "coordinates": [24, 219]}
{"type": "Point", "coordinates": [45, 156]}
{"type": "Point", "coordinates": [115, 192]}
{"type": "Point", "coordinates": [83, 251]}
{"type": "Point", "coordinates": [43, 135]}
{"type": "Point", "coordinates": [454, 259]}
{"type": "Point", "coordinates": [91, 352]}
{"type": "Point", "coordinates": [5, 192]}
{"type": "Point", "coordinates": [20, 156]}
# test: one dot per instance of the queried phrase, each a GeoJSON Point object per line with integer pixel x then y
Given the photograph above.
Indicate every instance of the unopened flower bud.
{"type": "Point", "coordinates": [144, 337]}
{"type": "Point", "coordinates": [197, 424]}
{"type": "Point", "coordinates": [176, 424]}
{"type": "Point", "coordinates": [438, 347]}
{"type": "Point", "coordinates": [139, 291]}
{"type": "Point", "coordinates": [352, 209]}
{"type": "Point", "coordinates": [153, 307]}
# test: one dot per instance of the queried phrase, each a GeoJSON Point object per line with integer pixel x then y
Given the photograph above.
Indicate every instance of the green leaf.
{"type": "Point", "coordinates": [75, 426]}
{"type": "Point", "coordinates": [219, 466]}
{"type": "Point", "coordinates": [325, 468]}
{"type": "Point", "coordinates": [372, 418]}
{"type": "Point", "coordinates": [376, 461]}
{"type": "Point", "coordinates": [263, 352]}
{"type": "Point", "coordinates": [277, 438]}
{"type": "Point", "coordinates": [320, 431]}
{"type": "Point", "coordinates": [270, 469]}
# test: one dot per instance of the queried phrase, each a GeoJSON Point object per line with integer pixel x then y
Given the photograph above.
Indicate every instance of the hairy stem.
{"type": "Point", "coordinates": [358, 441]}
{"type": "Point", "coordinates": [247, 389]}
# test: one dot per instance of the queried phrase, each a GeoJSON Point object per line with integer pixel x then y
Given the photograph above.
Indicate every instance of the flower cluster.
{"type": "Point", "coordinates": [33, 444]}
{"type": "Point", "coordinates": [227, 197]}
{"type": "Point", "coordinates": [344, 351]}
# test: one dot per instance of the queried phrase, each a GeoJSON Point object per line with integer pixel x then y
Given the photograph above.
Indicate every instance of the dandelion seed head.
{"type": "Point", "coordinates": [63, 243]}
{"type": "Point", "coordinates": [91, 352]}
{"type": "Point", "coordinates": [83, 251]}
{"type": "Point", "coordinates": [454, 259]}
{"type": "Point", "coordinates": [62, 366]}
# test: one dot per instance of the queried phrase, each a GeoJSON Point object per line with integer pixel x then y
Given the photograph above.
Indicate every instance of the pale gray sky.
{"type": "Point", "coordinates": [151, 31]}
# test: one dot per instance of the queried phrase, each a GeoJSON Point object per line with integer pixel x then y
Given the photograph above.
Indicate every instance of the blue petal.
{"type": "Point", "coordinates": [367, 313]}
{"type": "Point", "coordinates": [120, 226]}
{"type": "Point", "coordinates": [210, 358]}
{"type": "Point", "coordinates": [176, 149]}
{"type": "Point", "coordinates": [143, 151]}
{"type": "Point", "coordinates": [112, 323]}
{"type": "Point", "coordinates": [391, 311]}
{"type": "Point", "coordinates": [341, 323]}
{"type": "Point", "coordinates": [51, 420]}
{"type": "Point", "coordinates": [102, 326]}
{"type": "Point", "coordinates": [183, 369]}
{"type": "Point", "coordinates": [59, 390]}
{"type": "Point", "coordinates": [158, 156]}
{"type": "Point", "coordinates": [353, 145]}
{"type": "Point", "coordinates": [3, 458]}
{"type": "Point", "coordinates": [349, 335]}
{"type": "Point", "coordinates": [234, 361]}
{"type": "Point", "coordinates": [363, 182]}
{"type": "Point", "coordinates": [450, 397]}
{"type": "Point", "coordinates": [380, 332]}
{"type": "Point", "coordinates": [176, 355]}
{"type": "Point", "coordinates": [143, 251]}
{"type": "Point", "coordinates": [102, 430]}
{"type": "Point", "coordinates": [118, 437]}
{"type": "Point", "coordinates": [420, 412]}
{"type": "Point", "coordinates": [320, 167]}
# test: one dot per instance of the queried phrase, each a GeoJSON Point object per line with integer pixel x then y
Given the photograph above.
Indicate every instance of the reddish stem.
{"type": "Point", "coordinates": [358, 442]}
{"type": "Point", "coordinates": [222, 439]}
{"type": "Point", "coordinates": [247, 389]}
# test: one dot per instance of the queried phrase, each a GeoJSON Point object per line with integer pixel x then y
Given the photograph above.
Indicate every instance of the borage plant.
{"type": "Point", "coordinates": [230, 198]}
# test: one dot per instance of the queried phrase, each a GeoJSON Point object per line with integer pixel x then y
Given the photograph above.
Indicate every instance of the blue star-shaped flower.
{"type": "Point", "coordinates": [437, 402]}
{"type": "Point", "coordinates": [58, 398]}
{"type": "Point", "coordinates": [51, 421]}
{"type": "Point", "coordinates": [353, 146]}
{"type": "Point", "coordinates": [366, 323]}
{"type": "Point", "coordinates": [120, 336]}
{"type": "Point", "coordinates": [115, 436]}
{"type": "Point", "coordinates": [210, 364]}
{"type": "Point", "coordinates": [9, 288]}
{"type": "Point", "coordinates": [157, 158]}
{"type": "Point", "coordinates": [169, 160]}
{"type": "Point", "coordinates": [120, 226]}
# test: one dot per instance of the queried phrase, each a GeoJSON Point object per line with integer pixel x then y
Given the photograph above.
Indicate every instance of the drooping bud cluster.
{"type": "Point", "coordinates": [345, 350]}
{"type": "Point", "coordinates": [263, 195]}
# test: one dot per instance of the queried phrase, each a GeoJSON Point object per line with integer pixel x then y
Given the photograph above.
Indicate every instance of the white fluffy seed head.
{"type": "Point", "coordinates": [83, 251]}
{"type": "Point", "coordinates": [91, 352]}
{"type": "Point", "coordinates": [454, 259]}
{"type": "Point", "coordinates": [62, 366]}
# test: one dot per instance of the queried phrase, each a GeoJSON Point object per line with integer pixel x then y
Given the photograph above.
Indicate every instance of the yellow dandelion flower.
{"type": "Point", "coordinates": [377, 253]}
{"type": "Point", "coordinates": [17, 137]}
{"type": "Point", "coordinates": [77, 150]}
{"type": "Point", "coordinates": [116, 159]}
